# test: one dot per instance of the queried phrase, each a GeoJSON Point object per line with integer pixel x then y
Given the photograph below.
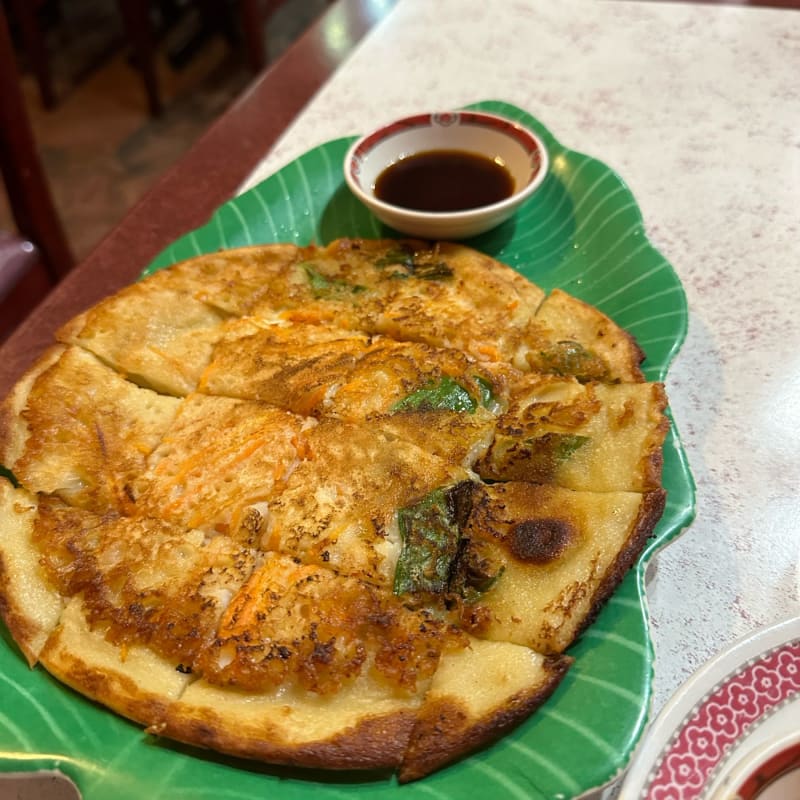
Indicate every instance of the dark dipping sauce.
{"type": "Point", "coordinates": [444, 180]}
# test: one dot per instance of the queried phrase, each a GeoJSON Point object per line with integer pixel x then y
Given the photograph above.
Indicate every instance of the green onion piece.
{"type": "Point", "coordinates": [9, 476]}
{"type": "Point", "coordinates": [488, 398]}
{"type": "Point", "coordinates": [549, 451]}
{"type": "Point", "coordinates": [571, 358]}
{"type": "Point", "coordinates": [415, 264]}
{"type": "Point", "coordinates": [446, 395]}
{"type": "Point", "coordinates": [431, 531]}
{"type": "Point", "coordinates": [323, 286]}
{"type": "Point", "coordinates": [397, 256]}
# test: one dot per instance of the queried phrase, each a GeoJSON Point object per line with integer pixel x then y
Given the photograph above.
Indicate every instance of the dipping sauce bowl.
{"type": "Point", "coordinates": [446, 175]}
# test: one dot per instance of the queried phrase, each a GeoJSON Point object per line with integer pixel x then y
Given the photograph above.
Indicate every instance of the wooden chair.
{"type": "Point", "coordinates": [138, 28]}
{"type": "Point", "coordinates": [24, 281]}
{"type": "Point", "coordinates": [35, 257]}
{"type": "Point", "coordinates": [251, 16]}
{"type": "Point", "coordinates": [26, 14]}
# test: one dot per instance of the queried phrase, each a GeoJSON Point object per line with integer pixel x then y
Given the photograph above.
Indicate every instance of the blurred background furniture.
{"type": "Point", "coordinates": [98, 148]}
{"type": "Point", "coordinates": [35, 256]}
{"type": "Point", "coordinates": [25, 13]}
{"type": "Point", "coordinates": [189, 190]}
{"type": "Point", "coordinates": [239, 21]}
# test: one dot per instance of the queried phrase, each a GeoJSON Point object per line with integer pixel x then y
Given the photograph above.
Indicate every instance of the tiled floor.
{"type": "Point", "coordinates": [100, 149]}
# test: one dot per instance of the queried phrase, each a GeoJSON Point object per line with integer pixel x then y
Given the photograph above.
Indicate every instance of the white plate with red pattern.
{"type": "Point", "coordinates": [732, 731]}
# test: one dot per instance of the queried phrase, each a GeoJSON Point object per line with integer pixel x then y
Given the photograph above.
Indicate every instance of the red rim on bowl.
{"type": "Point", "coordinates": [766, 775]}
{"type": "Point", "coordinates": [529, 141]}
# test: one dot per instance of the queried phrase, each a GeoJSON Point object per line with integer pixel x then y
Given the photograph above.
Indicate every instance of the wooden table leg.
{"type": "Point", "coordinates": [251, 21]}
{"type": "Point", "coordinates": [139, 29]}
{"type": "Point", "coordinates": [24, 12]}
{"type": "Point", "coordinates": [23, 175]}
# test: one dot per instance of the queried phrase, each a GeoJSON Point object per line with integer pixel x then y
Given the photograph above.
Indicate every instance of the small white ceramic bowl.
{"type": "Point", "coordinates": [509, 143]}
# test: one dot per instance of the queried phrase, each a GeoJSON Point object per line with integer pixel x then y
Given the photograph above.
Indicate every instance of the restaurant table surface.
{"type": "Point", "coordinates": [697, 108]}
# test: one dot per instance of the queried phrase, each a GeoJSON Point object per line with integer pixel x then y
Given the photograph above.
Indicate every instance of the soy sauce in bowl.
{"type": "Point", "coordinates": [444, 180]}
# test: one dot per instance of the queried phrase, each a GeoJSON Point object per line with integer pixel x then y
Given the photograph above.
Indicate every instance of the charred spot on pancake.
{"type": "Point", "coordinates": [538, 541]}
{"type": "Point", "coordinates": [474, 571]}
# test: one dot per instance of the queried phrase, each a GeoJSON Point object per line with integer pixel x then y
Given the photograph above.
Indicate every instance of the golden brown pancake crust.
{"type": "Point", "coordinates": [444, 727]}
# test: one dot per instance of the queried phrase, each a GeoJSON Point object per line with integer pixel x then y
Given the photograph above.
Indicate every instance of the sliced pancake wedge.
{"type": "Point", "coordinates": [29, 604]}
{"type": "Point", "coordinates": [14, 430]}
{"type": "Point", "coordinates": [76, 428]}
{"type": "Point", "coordinates": [309, 667]}
{"type": "Point", "coordinates": [328, 371]}
{"type": "Point", "coordinates": [364, 726]}
{"type": "Point", "coordinates": [577, 339]}
{"type": "Point", "coordinates": [231, 281]}
{"type": "Point", "coordinates": [338, 284]}
{"type": "Point", "coordinates": [220, 464]}
{"type": "Point", "coordinates": [310, 627]}
{"type": "Point", "coordinates": [437, 398]}
{"type": "Point", "coordinates": [478, 694]}
{"type": "Point", "coordinates": [142, 580]}
{"type": "Point", "coordinates": [340, 506]}
{"type": "Point", "coordinates": [139, 581]}
{"type": "Point", "coordinates": [594, 436]}
{"type": "Point", "coordinates": [468, 301]}
{"type": "Point", "coordinates": [552, 556]}
{"type": "Point", "coordinates": [156, 336]}
{"type": "Point", "coordinates": [291, 365]}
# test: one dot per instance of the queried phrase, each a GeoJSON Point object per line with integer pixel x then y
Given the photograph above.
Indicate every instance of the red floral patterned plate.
{"type": "Point", "coordinates": [732, 730]}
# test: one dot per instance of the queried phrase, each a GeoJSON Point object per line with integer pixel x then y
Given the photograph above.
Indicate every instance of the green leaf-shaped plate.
{"type": "Point", "coordinates": [581, 231]}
